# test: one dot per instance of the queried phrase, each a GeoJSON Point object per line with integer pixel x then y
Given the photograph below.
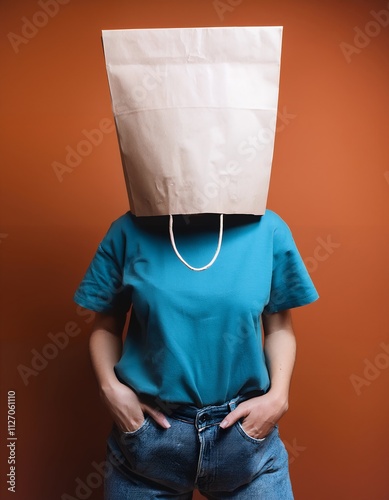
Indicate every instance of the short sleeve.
{"type": "Point", "coordinates": [291, 285]}
{"type": "Point", "coordinates": [102, 288]}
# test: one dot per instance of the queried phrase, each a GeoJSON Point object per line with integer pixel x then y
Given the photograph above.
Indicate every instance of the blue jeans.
{"type": "Point", "coordinates": [195, 453]}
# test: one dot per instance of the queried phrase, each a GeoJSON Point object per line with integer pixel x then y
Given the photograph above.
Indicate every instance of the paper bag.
{"type": "Point", "coordinates": [195, 111]}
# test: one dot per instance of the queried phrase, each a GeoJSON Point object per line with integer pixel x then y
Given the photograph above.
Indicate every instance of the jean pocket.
{"type": "Point", "coordinates": [165, 456]}
{"type": "Point", "coordinates": [243, 433]}
{"type": "Point", "coordinates": [139, 430]}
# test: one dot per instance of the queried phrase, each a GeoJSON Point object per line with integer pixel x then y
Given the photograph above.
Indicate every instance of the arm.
{"type": "Point", "coordinates": [280, 353]}
{"type": "Point", "coordinates": [260, 414]}
{"type": "Point", "coordinates": [105, 347]}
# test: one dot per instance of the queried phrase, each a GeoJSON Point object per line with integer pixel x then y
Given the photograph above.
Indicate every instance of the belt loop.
{"type": "Point", "coordinates": [232, 404]}
{"type": "Point", "coordinates": [235, 401]}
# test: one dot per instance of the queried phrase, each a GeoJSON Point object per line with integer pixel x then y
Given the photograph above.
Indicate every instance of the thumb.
{"type": "Point", "coordinates": [233, 417]}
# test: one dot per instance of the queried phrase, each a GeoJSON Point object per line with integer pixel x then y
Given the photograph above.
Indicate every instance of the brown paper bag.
{"type": "Point", "coordinates": [195, 111]}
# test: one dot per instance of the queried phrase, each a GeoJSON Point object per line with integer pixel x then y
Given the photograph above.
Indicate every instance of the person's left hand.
{"type": "Point", "coordinates": [260, 415]}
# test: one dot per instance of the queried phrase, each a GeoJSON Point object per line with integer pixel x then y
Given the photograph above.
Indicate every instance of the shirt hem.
{"type": "Point", "coordinates": [291, 304]}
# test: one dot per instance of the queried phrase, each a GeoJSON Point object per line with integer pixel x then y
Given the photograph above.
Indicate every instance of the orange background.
{"type": "Point", "coordinates": [330, 182]}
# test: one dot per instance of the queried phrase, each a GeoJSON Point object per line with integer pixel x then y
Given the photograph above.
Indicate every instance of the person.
{"type": "Point", "coordinates": [201, 379]}
{"type": "Point", "coordinates": [199, 382]}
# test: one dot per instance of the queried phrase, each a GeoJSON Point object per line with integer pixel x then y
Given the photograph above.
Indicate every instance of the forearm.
{"type": "Point", "coordinates": [280, 353]}
{"type": "Point", "coordinates": [263, 412]}
{"type": "Point", "coordinates": [105, 351]}
{"type": "Point", "coordinates": [105, 347]}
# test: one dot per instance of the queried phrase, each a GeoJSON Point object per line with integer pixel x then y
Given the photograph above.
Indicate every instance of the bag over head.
{"type": "Point", "coordinates": [195, 111]}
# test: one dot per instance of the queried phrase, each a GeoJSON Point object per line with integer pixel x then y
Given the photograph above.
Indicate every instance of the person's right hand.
{"type": "Point", "coordinates": [127, 410]}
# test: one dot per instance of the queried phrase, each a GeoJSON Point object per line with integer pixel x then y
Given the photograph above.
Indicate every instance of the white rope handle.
{"type": "Point", "coordinates": [181, 258]}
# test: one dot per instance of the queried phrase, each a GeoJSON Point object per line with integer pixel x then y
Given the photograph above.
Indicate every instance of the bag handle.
{"type": "Point", "coordinates": [172, 240]}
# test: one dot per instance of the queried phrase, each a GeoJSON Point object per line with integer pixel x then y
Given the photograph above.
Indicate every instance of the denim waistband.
{"type": "Point", "coordinates": [209, 415]}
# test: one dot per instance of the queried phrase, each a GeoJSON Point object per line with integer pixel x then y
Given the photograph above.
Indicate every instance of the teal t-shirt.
{"type": "Point", "coordinates": [195, 337]}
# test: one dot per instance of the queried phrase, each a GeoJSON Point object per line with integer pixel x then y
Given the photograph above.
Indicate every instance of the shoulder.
{"type": "Point", "coordinates": [124, 221]}
{"type": "Point", "coordinates": [131, 222]}
{"type": "Point", "coordinates": [123, 225]}
{"type": "Point", "coordinates": [129, 229]}
{"type": "Point", "coordinates": [120, 232]}
{"type": "Point", "coordinates": [272, 221]}
{"type": "Point", "coordinates": [279, 230]}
